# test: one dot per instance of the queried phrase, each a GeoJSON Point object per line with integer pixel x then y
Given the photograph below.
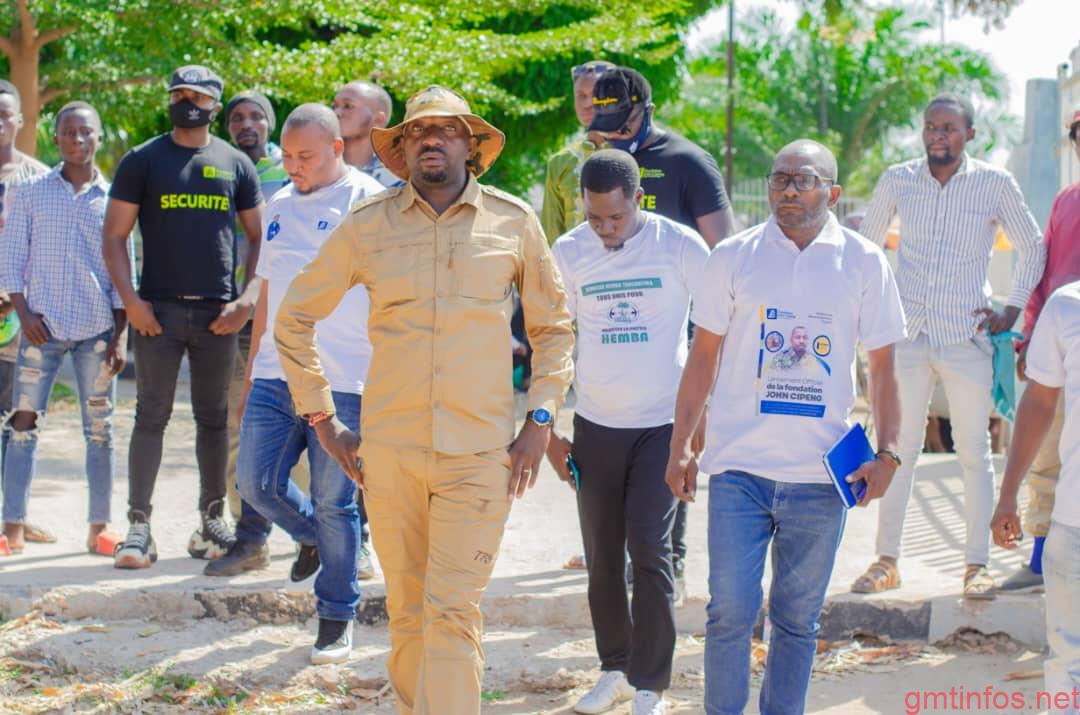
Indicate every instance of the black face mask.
{"type": "Point", "coordinates": [185, 114]}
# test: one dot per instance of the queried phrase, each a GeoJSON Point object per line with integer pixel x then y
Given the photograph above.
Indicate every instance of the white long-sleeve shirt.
{"type": "Point", "coordinates": [947, 239]}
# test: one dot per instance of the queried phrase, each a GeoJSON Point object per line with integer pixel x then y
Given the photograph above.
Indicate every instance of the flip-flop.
{"type": "Point", "coordinates": [880, 576]}
{"type": "Point", "coordinates": [576, 563]}
{"type": "Point", "coordinates": [37, 534]}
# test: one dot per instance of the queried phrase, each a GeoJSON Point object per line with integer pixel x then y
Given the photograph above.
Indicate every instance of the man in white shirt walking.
{"type": "Point", "coordinates": [1053, 368]}
{"type": "Point", "coordinates": [628, 276]}
{"type": "Point", "coordinates": [767, 430]}
{"type": "Point", "coordinates": [326, 524]}
{"type": "Point", "coordinates": [950, 207]}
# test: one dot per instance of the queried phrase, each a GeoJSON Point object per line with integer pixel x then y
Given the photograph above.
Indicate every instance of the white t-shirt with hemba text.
{"type": "Point", "coordinates": [631, 307]}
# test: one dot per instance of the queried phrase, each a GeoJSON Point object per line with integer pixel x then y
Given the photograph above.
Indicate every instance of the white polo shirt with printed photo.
{"type": "Point", "coordinates": [790, 321]}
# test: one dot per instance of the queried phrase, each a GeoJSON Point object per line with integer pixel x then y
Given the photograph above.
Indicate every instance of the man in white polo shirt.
{"type": "Point", "coordinates": [768, 429]}
{"type": "Point", "coordinates": [628, 275]}
{"type": "Point", "coordinates": [326, 524]}
{"type": "Point", "coordinates": [1053, 367]}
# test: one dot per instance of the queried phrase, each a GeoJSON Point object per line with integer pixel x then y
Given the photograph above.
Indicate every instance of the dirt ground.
{"type": "Point", "coordinates": [236, 666]}
{"type": "Point", "coordinates": [206, 665]}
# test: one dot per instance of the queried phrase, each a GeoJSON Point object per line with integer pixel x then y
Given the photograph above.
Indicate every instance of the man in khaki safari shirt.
{"type": "Point", "coordinates": [439, 462]}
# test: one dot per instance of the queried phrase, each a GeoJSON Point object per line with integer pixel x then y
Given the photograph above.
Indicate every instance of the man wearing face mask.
{"type": "Point", "coordinates": [186, 189]}
{"type": "Point", "coordinates": [679, 180]}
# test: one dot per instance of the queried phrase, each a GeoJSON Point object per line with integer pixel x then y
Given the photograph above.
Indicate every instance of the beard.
{"type": "Point", "coordinates": [438, 176]}
{"type": "Point", "coordinates": [940, 159]}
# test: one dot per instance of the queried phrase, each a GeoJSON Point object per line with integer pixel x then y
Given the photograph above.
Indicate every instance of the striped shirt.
{"type": "Point", "coordinates": [947, 238]}
{"type": "Point", "coordinates": [23, 168]}
{"type": "Point", "coordinates": [51, 253]}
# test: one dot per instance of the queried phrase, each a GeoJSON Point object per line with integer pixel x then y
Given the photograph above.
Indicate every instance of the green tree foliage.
{"type": "Point", "coordinates": [850, 83]}
{"type": "Point", "coordinates": [510, 58]}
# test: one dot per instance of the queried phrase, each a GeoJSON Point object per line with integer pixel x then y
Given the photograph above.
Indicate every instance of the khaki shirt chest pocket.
{"type": "Point", "coordinates": [396, 268]}
{"type": "Point", "coordinates": [488, 264]}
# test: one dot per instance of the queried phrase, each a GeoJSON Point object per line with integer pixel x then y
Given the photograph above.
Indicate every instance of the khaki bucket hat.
{"type": "Point", "coordinates": [436, 101]}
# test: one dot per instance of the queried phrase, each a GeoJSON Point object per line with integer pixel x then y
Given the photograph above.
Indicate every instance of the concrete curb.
{"type": "Point", "coordinates": [1020, 617]}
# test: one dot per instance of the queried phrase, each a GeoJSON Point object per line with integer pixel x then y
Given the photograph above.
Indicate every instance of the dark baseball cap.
{"type": "Point", "coordinates": [198, 78]}
{"type": "Point", "coordinates": [615, 95]}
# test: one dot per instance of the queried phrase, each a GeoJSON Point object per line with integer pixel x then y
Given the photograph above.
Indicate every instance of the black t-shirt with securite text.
{"type": "Point", "coordinates": [681, 180]}
{"type": "Point", "coordinates": [188, 200]}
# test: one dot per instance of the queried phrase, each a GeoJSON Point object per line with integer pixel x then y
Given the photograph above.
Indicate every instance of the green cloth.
{"type": "Point", "coordinates": [563, 208]}
{"type": "Point", "coordinates": [1004, 388]}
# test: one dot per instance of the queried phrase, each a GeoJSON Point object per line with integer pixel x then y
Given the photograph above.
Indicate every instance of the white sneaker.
{"type": "Point", "coordinates": [646, 702]}
{"type": "Point", "coordinates": [609, 691]}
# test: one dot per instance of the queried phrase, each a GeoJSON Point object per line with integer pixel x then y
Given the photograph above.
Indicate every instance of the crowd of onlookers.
{"type": "Point", "coordinates": [352, 278]}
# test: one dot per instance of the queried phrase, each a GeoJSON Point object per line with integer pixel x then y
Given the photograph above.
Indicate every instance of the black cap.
{"type": "Point", "coordinates": [198, 78]}
{"type": "Point", "coordinates": [615, 95]}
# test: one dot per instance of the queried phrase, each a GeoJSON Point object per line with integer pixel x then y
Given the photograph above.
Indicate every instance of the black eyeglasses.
{"type": "Point", "coordinates": [779, 181]}
{"type": "Point", "coordinates": [598, 68]}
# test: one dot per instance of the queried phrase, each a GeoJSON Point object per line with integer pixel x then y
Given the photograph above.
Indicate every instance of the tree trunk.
{"type": "Point", "coordinates": [23, 50]}
{"type": "Point", "coordinates": [24, 75]}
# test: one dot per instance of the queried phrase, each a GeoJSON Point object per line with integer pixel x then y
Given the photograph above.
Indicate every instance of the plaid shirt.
{"type": "Point", "coordinates": [51, 253]}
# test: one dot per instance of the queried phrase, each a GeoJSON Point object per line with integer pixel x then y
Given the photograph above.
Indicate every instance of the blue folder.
{"type": "Point", "coordinates": [845, 457]}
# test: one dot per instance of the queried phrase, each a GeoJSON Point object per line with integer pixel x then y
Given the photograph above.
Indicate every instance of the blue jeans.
{"type": "Point", "coordinates": [1061, 568]}
{"type": "Point", "coordinates": [804, 522]}
{"type": "Point", "coordinates": [35, 372]}
{"type": "Point", "coordinates": [272, 438]}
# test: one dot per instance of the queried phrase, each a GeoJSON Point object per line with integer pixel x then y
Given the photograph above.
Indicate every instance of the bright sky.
{"type": "Point", "coordinates": [1037, 37]}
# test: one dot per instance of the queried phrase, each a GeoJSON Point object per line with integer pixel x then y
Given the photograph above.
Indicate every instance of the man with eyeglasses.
{"type": "Point", "coordinates": [439, 463]}
{"type": "Point", "coordinates": [951, 207]}
{"type": "Point", "coordinates": [1062, 243]}
{"type": "Point", "coordinates": [563, 208]}
{"type": "Point", "coordinates": [767, 432]}
{"type": "Point", "coordinates": [679, 180]}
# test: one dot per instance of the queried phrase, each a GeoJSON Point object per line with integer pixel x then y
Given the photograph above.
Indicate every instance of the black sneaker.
{"type": "Point", "coordinates": [334, 643]}
{"type": "Point", "coordinates": [244, 556]}
{"type": "Point", "coordinates": [305, 567]}
{"type": "Point", "coordinates": [138, 550]}
{"type": "Point", "coordinates": [213, 539]}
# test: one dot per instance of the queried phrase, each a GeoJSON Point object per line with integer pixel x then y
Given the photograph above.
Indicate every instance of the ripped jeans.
{"type": "Point", "coordinates": [35, 373]}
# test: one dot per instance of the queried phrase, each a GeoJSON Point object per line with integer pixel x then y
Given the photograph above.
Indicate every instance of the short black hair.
{"type": "Point", "coordinates": [9, 88]}
{"type": "Point", "coordinates": [610, 169]}
{"type": "Point", "coordinates": [74, 107]}
{"type": "Point", "coordinates": [963, 105]}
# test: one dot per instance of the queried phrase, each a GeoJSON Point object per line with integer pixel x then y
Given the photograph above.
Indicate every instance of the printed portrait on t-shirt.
{"type": "Point", "coordinates": [793, 368]}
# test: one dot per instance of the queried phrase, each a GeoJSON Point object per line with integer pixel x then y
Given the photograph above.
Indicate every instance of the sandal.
{"type": "Point", "coordinates": [576, 562]}
{"type": "Point", "coordinates": [37, 534]}
{"type": "Point", "coordinates": [880, 576]}
{"type": "Point", "coordinates": [978, 583]}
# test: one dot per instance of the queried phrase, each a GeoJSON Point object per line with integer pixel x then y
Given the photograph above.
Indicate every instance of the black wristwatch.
{"type": "Point", "coordinates": [889, 455]}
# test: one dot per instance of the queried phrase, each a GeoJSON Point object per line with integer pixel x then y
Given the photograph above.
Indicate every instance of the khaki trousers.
{"type": "Point", "coordinates": [436, 524]}
{"type": "Point", "coordinates": [1043, 477]}
{"type": "Point", "coordinates": [301, 473]}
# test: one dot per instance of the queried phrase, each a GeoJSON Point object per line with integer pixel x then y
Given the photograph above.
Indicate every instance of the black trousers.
{"type": "Point", "coordinates": [625, 505]}
{"type": "Point", "coordinates": [185, 328]}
